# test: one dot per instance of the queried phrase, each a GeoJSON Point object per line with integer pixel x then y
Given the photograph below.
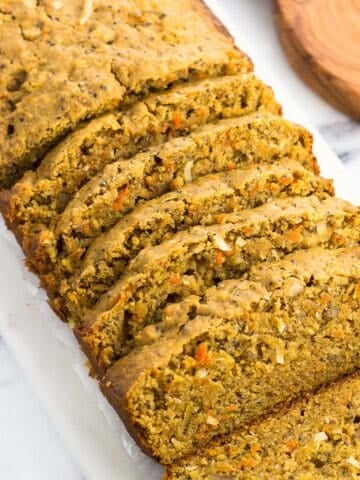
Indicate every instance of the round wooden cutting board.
{"type": "Point", "coordinates": [322, 41]}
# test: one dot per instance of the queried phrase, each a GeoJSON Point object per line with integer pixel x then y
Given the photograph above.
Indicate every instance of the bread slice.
{"type": "Point", "coordinates": [196, 203]}
{"type": "Point", "coordinates": [123, 185]}
{"type": "Point", "coordinates": [317, 438]}
{"type": "Point", "coordinates": [33, 203]}
{"type": "Point", "coordinates": [193, 260]}
{"type": "Point", "coordinates": [250, 346]}
{"type": "Point", "coordinates": [61, 66]}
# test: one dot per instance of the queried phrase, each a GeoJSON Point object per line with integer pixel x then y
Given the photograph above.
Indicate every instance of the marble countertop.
{"type": "Point", "coordinates": [30, 448]}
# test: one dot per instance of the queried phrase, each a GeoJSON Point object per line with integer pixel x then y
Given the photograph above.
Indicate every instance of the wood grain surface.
{"type": "Point", "coordinates": [322, 41]}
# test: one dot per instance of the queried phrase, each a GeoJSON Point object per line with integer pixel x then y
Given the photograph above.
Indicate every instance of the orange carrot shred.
{"type": "Point", "coordinates": [175, 279]}
{"type": "Point", "coordinates": [202, 356]}
{"type": "Point", "coordinates": [171, 166]}
{"type": "Point", "coordinates": [291, 444]}
{"type": "Point", "coordinates": [230, 166]}
{"type": "Point", "coordinates": [255, 448]}
{"type": "Point", "coordinates": [232, 408]}
{"type": "Point", "coordinates": [294, 235]}
{"type": "Point", "coordinates": [176, 120]}
{"type": "Point", "coordinates": [219, 258]}
{"type": "Point", "coordinates": [123, 193]}
{"type": "Point", "coordinates": [285, 180]}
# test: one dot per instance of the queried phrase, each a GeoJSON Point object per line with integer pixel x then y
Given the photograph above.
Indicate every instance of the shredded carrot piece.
{"type": "Point", "coordinates": [193, 208]}
{"type": "Point", "coordinates": [230, 166]}
{"type": "Point", "coordinates": [291, 444]}
{"type": "Point", "coordinates": [338, 333]}
{"type": "Point", "coordinates": [295, 235]}
{"type": "Point", "coordinates": [200, 75]}
{"type": "Point", "coordinates": [247, 462]}
{"type": "Point", "coordinates": [249, 231]}
{"type": "Point", "coordinates": [232, 408]}
{"type": "Point", "coordinates": [325, 298]}
{"type": "Point", "coordinates": [219, 218]}
{"type": "Point", "coordinates": [212, 452]}
{"type": "Point", "coordinates": [254, 448]}
{"type": "Point", "coordinates": [202, 356]}
{"type": "Point", "coordinates": [357, 291]}
{"type": "Point", "coordinates": [123, 193]}
{"type": "Point", "coordinates": [175, 279]}
{"type": "Point", "coordinates": [219, 258]}
{"type": "Point", "coordinates": [285, 180]}
{"type": "Point", "coordinates": [177, 120]}
{"type": "Point", "coordinates": [274, 188]}
{"type": "Point", "coordinates": [171, 166]}
{"type": "Point", "coordinates": [338, 239]}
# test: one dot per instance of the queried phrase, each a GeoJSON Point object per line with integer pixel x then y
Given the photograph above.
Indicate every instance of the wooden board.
{"type": "Point", "coordinates": [322, 41]}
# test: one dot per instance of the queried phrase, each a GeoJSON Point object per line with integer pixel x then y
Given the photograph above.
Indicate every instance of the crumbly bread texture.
{"type": "Point", "coordinates": [318, 438]}
{"type": "Point", "coordinates": [63, 62]}
{"type": "Point", "coordinates": [178, 223]}
{"type": "Point", "coordinates": [249, 347]}
{"type": "Point", "coordinates": [193, 260]}
{"type": "Point", "coordinates": [196, 203]}
{"type": "Point", "coordinates": [34, 201]}
{"type": "Point", "coordinates": [228, 144]}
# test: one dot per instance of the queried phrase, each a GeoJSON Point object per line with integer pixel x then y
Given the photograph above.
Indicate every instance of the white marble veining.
{"type": "Point", "coordinates": [30, 448]}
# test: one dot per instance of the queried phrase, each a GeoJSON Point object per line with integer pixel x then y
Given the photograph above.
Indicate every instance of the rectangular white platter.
{"type": "Point", "coordinates": [47, 352]}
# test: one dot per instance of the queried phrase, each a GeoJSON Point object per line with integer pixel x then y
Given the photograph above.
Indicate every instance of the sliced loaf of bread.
{"type": "Point", "coordinates": [200, 202]}
{"type": "Point", "coordinates": [193, 260]}
{"type": "Point", "coordinates": [247, 348]}
{"type": "Point", "coordinates": [317, 438]}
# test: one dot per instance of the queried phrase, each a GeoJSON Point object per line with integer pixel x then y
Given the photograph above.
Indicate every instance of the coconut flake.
{"type": "Point", "coordinates": [212, 421]}
{"type": "Point", "coordinates": [221, 244]}
{"type": "Point", "coordinates": [280, 325]}
{"type": "Point", "coordinates": [201, 373]}
{"type": "Point", "coordinates": [187, 172]}
{"type": "Point", "coordinates": [176, 442]}
{"type": "Point", "coordinates": [320, 437]}
{"type": "Point", "coordinates": [30, 3]}
{"type": "Point", "coordinates": [355, 463]}
{"type": "Point", "coordinates": [279, 357]}
{"type": "Point", "coordinates": [87, 12]}
{"type": "Point", "coordinates": [191, 468]}
{"type": "Point", "coordinates": [294, 286]}
{"type": "Point", "coordinates": [240, 242]}
{"type": "Point", "coordinates": [57, 4]}
{"type": "Point", "coordinates": [322, 229]}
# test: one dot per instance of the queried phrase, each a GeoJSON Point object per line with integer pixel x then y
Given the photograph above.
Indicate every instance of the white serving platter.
{"type": "Point", "coordinates": [47, 351]}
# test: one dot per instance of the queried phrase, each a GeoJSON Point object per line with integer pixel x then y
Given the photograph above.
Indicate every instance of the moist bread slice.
{"type": "Point", "coordinates": [123, 185]}
{"type": "Point", "coordinates": [317, 438]}
{"type": "Point", "coordinates": [63, 65]}
{"type": "Point", "coordinates": [250, 346]}
{"type": "Point", "coordinates": [33, 203]}
{"type": "Point", "coordinates": [193, 260]}
{"type": "Point", "coordinates": [196, 203]}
